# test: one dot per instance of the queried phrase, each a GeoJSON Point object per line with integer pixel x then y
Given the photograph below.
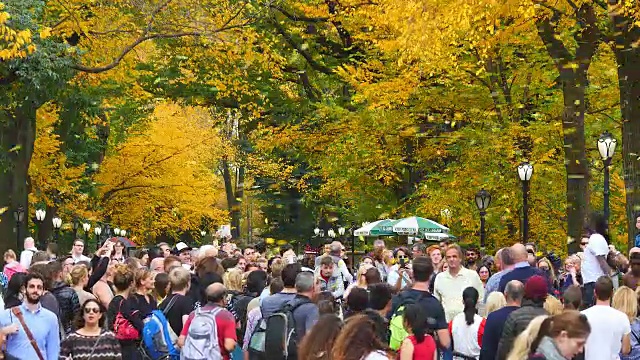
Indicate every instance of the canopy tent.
{"type": "Point", "coordinates": [377, 228]}
{"type": "Point", "coordinates": [416, 225]}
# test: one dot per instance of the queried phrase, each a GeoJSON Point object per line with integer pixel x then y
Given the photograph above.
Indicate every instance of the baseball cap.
{"type": "Point", "coordinates": [181, 246]}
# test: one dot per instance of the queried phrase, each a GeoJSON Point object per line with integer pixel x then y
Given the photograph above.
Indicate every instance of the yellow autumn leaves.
{"type": "Point", "coordinates": [13, 43]}
{"type": "Point", "coordinates": [163, 177]}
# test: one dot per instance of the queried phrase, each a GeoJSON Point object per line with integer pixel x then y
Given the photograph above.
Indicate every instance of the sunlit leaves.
{"type": "Point", "coordinates": [159, 181]}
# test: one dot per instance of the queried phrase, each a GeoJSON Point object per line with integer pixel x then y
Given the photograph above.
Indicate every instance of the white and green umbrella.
{"type": "Point", "coordinates": [438, 236]}
{"type": "Point", "coordinates": [376, 228]}
{"type": "Point", "coordinates": [416, 225]}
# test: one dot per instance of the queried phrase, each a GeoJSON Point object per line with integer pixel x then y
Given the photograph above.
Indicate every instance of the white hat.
{"type": "Point", "coordinates": [181, 246]}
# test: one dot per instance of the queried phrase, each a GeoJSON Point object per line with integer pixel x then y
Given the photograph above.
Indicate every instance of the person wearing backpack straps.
{"type": "Point", "coordinates": [210, 331]}
{"type": "Point", "coordinates": [422, 268]}
{"type": "Point", "coordinates": [306, 312]}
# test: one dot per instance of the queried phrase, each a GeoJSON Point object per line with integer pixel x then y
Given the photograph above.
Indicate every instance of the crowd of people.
{"type": "Point", "coordinates": [422, 302]}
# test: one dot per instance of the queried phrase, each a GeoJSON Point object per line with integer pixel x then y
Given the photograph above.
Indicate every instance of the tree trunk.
{"type": "Point", "coordinates": [573, 88]}
{"type": "Point", "coordinates": [17, 136]}
{"type": "Point", "coordinates": [628, 59]}
{"type": "Point", "coordinates": [231, 191]}
{"type": "Point", "coordinates": [573, 69]}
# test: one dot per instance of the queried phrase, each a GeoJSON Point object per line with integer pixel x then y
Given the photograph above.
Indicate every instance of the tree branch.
{"type": "Point", "coordinates": [296, 17]}
{"type": "Point", "coordinates": [312, 62]}
{"type": "Point", "coordinates": [588, 38]}
{"type": "Point", "coordinates": [146, 37]}
{"type": "Point", "coordinates": [556, 49]}
{"type": "Point", "coordinates": [111, 192]}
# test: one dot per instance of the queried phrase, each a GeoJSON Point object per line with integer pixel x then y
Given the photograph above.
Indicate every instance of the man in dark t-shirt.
{"type": "Point", "coordinates": [179, 305]}
{"type": "Point", "coordinates": [419, 294]}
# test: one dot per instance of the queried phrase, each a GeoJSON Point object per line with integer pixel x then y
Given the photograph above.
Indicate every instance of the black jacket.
{"type": "Point", "coordinates": [68, 302]}
{"type": "Point", "coordinates": [516, 323]}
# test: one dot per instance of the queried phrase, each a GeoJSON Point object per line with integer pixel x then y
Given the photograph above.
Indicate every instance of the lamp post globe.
{"type": "Point", "coordinates": [341, 230]}
{"type": "Point", "coordinates": [606, 147]}
{"type": "Point", "coordinates": [525, 170]}
{"type": "Point", "coordinates": [116, 231]}
{"type": "Point", "coordinates": [316, 231]}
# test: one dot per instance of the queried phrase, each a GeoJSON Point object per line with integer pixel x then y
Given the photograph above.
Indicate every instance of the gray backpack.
{"type": "Point", "coordinates": [202, 338]}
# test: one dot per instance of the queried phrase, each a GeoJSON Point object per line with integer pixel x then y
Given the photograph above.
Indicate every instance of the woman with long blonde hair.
{"type": "Point", "coordinates": [626, 300]}
{"type": "Point", "coordinates": [553, 305]}
{"type": "Point", "coordinates": [361, 280]}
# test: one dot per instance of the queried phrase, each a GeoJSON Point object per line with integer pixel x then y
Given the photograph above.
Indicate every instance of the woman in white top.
{"type": "Point", "coordinates": [358, 340]}
{"type": "Point", "coordinates": [467, 328]}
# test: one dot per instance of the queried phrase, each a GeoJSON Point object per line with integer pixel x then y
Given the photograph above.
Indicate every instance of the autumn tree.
{"type": "Point", "coordinates": [159, 181]}
{"type": "Point", "coordinates": [624, 42]}
{"type": "Point", "coordinates": [74, 37]}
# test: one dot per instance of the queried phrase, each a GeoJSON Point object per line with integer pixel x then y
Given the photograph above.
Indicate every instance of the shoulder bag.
{"type": "Point", "coordinates": [16, 311]}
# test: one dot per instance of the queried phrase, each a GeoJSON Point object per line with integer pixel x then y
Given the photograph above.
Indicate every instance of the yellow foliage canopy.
{"type": "Point", "coordinates": [49, 172]}
{"type": "Point", "coordinates": [160, 180]}
{"type": "Point", "coordinates": [13, 43]}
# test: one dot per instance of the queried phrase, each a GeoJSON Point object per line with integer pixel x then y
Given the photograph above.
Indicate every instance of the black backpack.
{"type": "Point", "coordinates": [276, 335]}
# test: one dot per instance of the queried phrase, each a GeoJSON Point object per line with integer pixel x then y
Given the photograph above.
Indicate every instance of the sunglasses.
{"type": "Point", "coordinates": [584, 243]}
{"type": "Point", "coordinates": [403, 257]}
{"type": "Point", "coordinates": [91, 310]}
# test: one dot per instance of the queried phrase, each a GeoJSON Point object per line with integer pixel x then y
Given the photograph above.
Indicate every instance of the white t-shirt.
{"type": "Point", "coordinates": [608, 326]}
{"type": "Point", "coordinates": [376, 355]}
{"type": "Point", "coordinates": [591, 270]}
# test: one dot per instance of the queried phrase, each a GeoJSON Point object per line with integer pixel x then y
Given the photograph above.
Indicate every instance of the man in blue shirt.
{"type": "Point", "coordinates": [504, 259]}
{"type": "Point", "coordinates": [514, 292]}
{"type": "Point", "coordinates": [42, 323]}
{"type": "Point", "coordinates": [522, 269]}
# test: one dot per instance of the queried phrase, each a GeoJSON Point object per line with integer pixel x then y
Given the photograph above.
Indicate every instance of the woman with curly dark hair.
{"type": "Point", "coordinates": [358, 341]}
{"type": "Point", "coordinates": [90, 340]}
{"type": "Point", "coordinates": [317, 343]}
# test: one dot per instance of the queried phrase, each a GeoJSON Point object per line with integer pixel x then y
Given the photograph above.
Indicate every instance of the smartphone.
{"type": "Point", "coordinates": [403, 263]}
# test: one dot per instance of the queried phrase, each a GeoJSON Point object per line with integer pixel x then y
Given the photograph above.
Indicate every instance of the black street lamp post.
{"type": "Point", "coordinates": [57, 223]}
{"type": "Point", "coordinates": [76, 225]}
{"type": "Point", "coordinates": [86, 227]}
{"type": "Point", "coordinates": [97, 230]}
{"type": "Point", "coordinates": [606, 148]}
{"type": "Point", "coordinates": [18, 216]}
{"type": "Point", "coordinates": [41, 214]}
{"type": "Point", "coordinates": [525, 170]}
{"type": "Point", "coordinates": [483, 200]}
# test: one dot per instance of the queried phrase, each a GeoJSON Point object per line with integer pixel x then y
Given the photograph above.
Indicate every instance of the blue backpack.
{"type": "Point", "coordinates": [157, 336]}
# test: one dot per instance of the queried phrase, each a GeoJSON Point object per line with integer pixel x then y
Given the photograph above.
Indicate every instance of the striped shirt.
{"type": "Point", "coordinates": [79, 347]}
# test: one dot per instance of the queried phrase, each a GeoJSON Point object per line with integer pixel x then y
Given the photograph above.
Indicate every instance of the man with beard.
{"type": "Point", "coordinates": [31, 320]}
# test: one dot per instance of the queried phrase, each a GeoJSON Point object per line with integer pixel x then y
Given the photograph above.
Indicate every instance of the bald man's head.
{"type": "Point", "coordinates": [519, 252]}
{"type": "Point", "coordinates": [216, 293]}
